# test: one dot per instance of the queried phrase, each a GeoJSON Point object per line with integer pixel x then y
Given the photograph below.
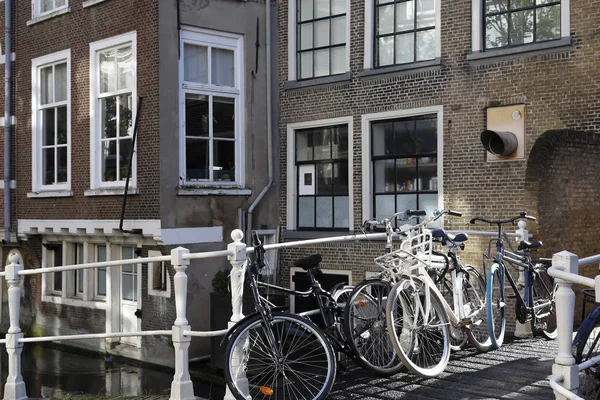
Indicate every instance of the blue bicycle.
{"type": "Point", "coordinates": [537, 304]}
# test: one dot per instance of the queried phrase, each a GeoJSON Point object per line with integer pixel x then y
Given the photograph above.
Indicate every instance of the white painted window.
{"type": "Point", "coordinates": [503, 23]}
{"type": "Point", "coordinates": [129, 275]}
{"type": "Point", "coordinates": [159, 281]}
{"type": "Point", "coordinates": [402, 161]}
{"type": "Point", "coordinates": [100, 272]}
{"type": "Point", "coordinates": [51, 122]}
{"type": "Point", "coordinates": [318, 38]}
{"type": "Point", "coordinates": [54, 258]}
{"type": "Point", "coordinates": [43, 7]}
{"type": "Point", "coordinates": [319, 184]}
{"type": "Point", "coordinates": [112, 110]}
{"type": "Point", "coordinates": [211, 108]}
{"type": "Point", "coordinates": [77, 257]}
{"type": "Point", "coordinates": [401, 32]}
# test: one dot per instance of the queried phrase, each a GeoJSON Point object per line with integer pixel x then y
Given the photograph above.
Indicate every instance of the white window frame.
{"type": "Point", "coordinates": [292, 40]}
{"type": "Point", "coordinates": [95, 114]}
{"type": "Point", "coordinates": [291, 166]}
{"type": "Point", "coordinates": [152, 265]}
{"type": "Point", "coordinates": [96, 295]}
{"type": "Point", "coordinates": [36, 6]}
{"type": "Point", "coordinates": [367, 164]}
{"type": "Point", "coordinates": [369, 49]}
{"type": "Point", "coordinates": [37, 179]}
{"type": "Point", "coordinates": [477, 16]}
{"type": "Point", "coordinates": [229, 41]}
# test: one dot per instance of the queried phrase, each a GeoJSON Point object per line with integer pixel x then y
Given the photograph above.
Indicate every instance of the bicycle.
{"type": "Point", "coordinates": [585, 344]}
{"type": "Point", "coordinates": [421, 320]}
{"type": "Point", "coordinates": [277, 354]}
{"type": "Point", "coordinates": [536, 305]}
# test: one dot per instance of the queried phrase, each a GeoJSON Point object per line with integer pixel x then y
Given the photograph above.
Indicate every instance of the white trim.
{"type": "Point", "coordinates": [89, 3]}
{"type": "Point", "coordinates": [477, 17]}
{"type": "Point", "coordinates": [291, 165]}
{"type": "Point", "coordinates": [95, 158]}
{"type": "Point", "coordinates": [91, 227]}
{"type": "Point", "coordinates": [37, 64]}
{"type": "Point", "coordinates": [366, 119]}
{"type": "Point", "coordinates": [293, 270]}
{"type": "Point", "coordinates": [192, 235]}
{"type": "Point", "coordinates": [151, 265]}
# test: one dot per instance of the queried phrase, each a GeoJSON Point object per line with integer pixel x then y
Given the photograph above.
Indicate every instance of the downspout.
{"type": "Point", "coordinates": [7, 114]}
{"type": "Point", "coordinates": [269, 125]}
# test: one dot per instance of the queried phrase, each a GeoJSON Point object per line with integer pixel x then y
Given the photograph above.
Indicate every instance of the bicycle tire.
{"type": "Point", "coordinates": [495, 306]}
{"type": "Point", "coordinates": [543, 289]}
{"type": "Point", "coordinates": [585, 344]}
{"type": "Point", "coordinates": [474, 293]}
{"type": "Point", "coordinates": [423, 348]}
{"type": "Point", "coordinates": [341, 295]}
{"type": "Point", "coordinates": [304, 369]}
{"type": "Point", "coordinates": [365, 328]}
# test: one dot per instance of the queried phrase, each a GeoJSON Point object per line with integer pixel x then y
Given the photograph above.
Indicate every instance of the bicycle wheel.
{"type": "Point", "coordinates": [473, 293]}
{"type": "Point", "coordinates": [419, 333]}
{"type": "Point", "coordinates": [341, 296]}
{"type": "Point", "coordinates": [542, 292]}
{"type": "Point", "coordinates": [585, 344]}
{"type": "Point", "coordinates": [366, 328]}
{"type": "Point", "coordinates": [299, 365]}
{"type": "Point", "coordinates": [495, 306]}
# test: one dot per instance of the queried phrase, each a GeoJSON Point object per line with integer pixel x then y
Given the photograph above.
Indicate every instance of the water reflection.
{"type": "Point", "coordinates": [49, 373]}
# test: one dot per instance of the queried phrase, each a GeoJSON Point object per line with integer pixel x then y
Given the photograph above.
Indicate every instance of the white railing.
{"type": "Point", "coordinates": [565, 373]}
{"type": "Point", "coordinates": [181, 332]}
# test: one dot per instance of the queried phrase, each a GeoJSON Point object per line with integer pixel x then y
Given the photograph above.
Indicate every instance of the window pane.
{"type": "Point", "coordinates": [306, 212]}
{"type": "Point", "coordinates": [404, 139]}
{"type": "Point", "coordinates": [384, 206]}
{"type": "Point", "coordinates": [223, 117]}
{"type": "Point", "coordinates": [222, 67]}
{"type": "Point", "coordinates": [341, 212]}
{"type": "Point", "coordinates": [48, 162]}
{"type": "Point", "coordinates": [195, 63]}
{"type": "Point", "coordinates": [338, 7]}
{"type": "Point", "coordinates": [127, 253]}
{"type": "Point", "coordinates": [496, 31]}
{"type": "Point", "coordinates": [60, 71]}
{"type": "Point", "coordinates": [426, 45]}
{"type": "Point", "coordinates": [60, 3]}
{"type": "Point", "coordinates": [124, 156]}
{"type": "Point", "coordinates": [61, 125]}
{"type": "Point", "coordinates": [405, 17]}
{"type": "Point", "coordinates": [61, 153]}
{"type": "Point", "coordinates": [521, 27]}
{"type": "Point", "coordinates": [224, 160]}
{"type": "Point", "coordinates": [406, 174]}
{"type": "Point", "coordinates": [128, 287]}
{"type": "Point", "coordinates": [427, 173]}
{"type": "Point", "coordinates": [48, 115]}
{"type": "Point", "coordinates": [324, 179]}
{"type": "Point", "coordinates": [125, 68]}
{"type": "Point", "coordinates": [385, 176]}
{"type": "Point", "coordinates": [322, 62]}
{"type": "Point", "coordinates": [196, 159]}
{"type": "Point", "coordinates": [101, 283]}
{"type": "Point", "coordinates": [58, 281]}
{"type": "Point", "coordinates": [338, 60]}
{"type": "Point", "coordinates": [339, 142]}
{"type": "Point", "coordinates": [306, 10]}
{"type": "Point", "coordinates": [304, 145]}
{"type": "Point", "coordinates": [47, 83]}
{"type": "Point", "coordinates": [109, 160]}
{"type": "Point", "coordinates": [385, 50]}
{"type": "Point", "coordinates": [405, 48]}
{"type": "Point", "coordinates": [547, 23]}
{"type": "Point", "coordinates": [107, 71]}
{"type": "Point", "coordinates": [47, 5]}
{"type": "Point", "coordinates": [108, 113]}
{"type": "Point", "coordinates": [125, 115]}
{"type": "Point", "coordinates": [428, 202]}
{"type": "Point", "coordinates": [496, 5]}
{"type": "Point", "coordinates": [425, 13]}
{"type": "Point", "coordinates": [426, 135]}
{"type": "Point", "coordinates": [514, 4]}
{"type": "Point", "coordinates": [306, 36]}
{"type": "Point", "coordinates": [321, 8]}
{"type": "Point", "coordinates": [322, 33]}
{"type": "Point", "coordinates": [338, 30]}
{"type": "Point", "coordinates": [385, 19]}
{"type": "Point", "coordinates": [196, 115]}
{"type": "Point", "coordinates": [381, 134]}
{"type": "Point", "coordinates": [306, 65]}
{"type": "Point", "coordinates": [340, 178]}
{"type": "Point", "coordinates": [406, 202]}
{"type": "Point", "coordinates": [322, 144]}
{"type": "Point", "coordinates": [324, 212]}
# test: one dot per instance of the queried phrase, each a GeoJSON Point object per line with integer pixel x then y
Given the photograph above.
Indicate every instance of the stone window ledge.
{"type": "Point", "coordinates": [191, 190]}
{"type": "Point", "coordinates": [116, 191]}
{"type": "Point", "coordinates": [48, 16]}
{"type": "Point", "coordinates": [301, 235]}
{"type": "Point", "coordinates": [528, 50]}
{"type": "Point", "coordinates": [416, 67]}
{"type": "Point", "coordinates": [89, 3]}
{"type": "Point", "coordinates": [50, 193]}
{"type": "Point", "coordinates": [325, 80]}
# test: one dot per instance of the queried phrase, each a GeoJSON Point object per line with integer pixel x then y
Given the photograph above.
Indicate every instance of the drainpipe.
{"type": "Point", "coordinates": [7, 114]}
{"type": "Point", "coordinates": [269, 125]}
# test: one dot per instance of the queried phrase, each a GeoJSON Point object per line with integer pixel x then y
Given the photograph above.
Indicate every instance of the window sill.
{"type": "Point", "coordinates": [403, 69]}
{"type": "Point", "coordinates": [113, 191]}
{"type": "Point", "coordinates": [191, 190]}
{"type": "Point", "coordinates": [159, 293]}
{"type": "Point", "coordinates": [325, 80]}
{"type": "Point", "coordinates": [89, 3]}
{"type": "Point", "coordinates": [555, 46]}
{"type": "Point", "coordinates": [77, 302]}
{"type": "Point", "coordinates": [287, 234]}
{"type": "Point", "coordinates": [51, 15]}
{"type": "Point", "coordinates": [49, 193]}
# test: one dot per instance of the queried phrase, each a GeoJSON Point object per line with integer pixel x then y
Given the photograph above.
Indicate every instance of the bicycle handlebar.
{"type": "Point", "coordinates": [499, 222]}
{"type": "Point", "coordinates": [401, 216]}
{"type": "Point", "coordinates": [438, 213]}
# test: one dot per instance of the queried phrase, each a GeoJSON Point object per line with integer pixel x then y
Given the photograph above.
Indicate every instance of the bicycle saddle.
{"type": "Point", "coordinates": [309, 262]}
{"type": "Point", "coordinates": [459, 237]}
{"type": "Point", "coordinates": [529, 245]}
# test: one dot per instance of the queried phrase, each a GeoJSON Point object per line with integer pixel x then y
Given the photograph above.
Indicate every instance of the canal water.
{"type": "Point", "coordinates": [49, 372]}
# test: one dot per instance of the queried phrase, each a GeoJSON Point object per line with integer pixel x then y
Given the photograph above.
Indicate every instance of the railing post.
{"type": "Point", "coordinates": [564, 363]}
{"type": "Point", "coordinates": [181, 387]}
{"type": "Point", "coordinates": [237, 260]}
{"type": "Point", "coordinates": [522, 330]}
{"type": "Point", "coordinates": [14, 389]}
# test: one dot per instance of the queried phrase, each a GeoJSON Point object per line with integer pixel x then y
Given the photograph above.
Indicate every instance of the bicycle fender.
{"type": "Point", "coordinates": [586, 326]}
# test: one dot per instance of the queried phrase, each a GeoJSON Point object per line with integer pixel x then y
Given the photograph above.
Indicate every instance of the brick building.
{"type": "Point", "coordinates": [382, 104]}
{"type": "Point", "coordinates": [81, 69]}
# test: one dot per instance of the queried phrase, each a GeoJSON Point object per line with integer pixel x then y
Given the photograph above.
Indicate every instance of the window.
{"type": "Point", "coordinates": [43, 7]}
{"type": "Point", "coordinates": [321, 33]}
{"type": "Point", "coordinates": [78, 281]}
{"type": "Point", "coordinates": [405, 31]}
{"type": "Point", "coordinates": [211, 96]}
{"type": "Point", "coordinates": [51, 122]}
{"type": "Point", "coordinates": [113, 105]}
{"type": "Point", "coordinates": [100, 281]}
{"type": "Point", "coordinates": [55, 258]}
{"type": "Point", "coordinates": [319, 175]}
{"type": "Point", "coordinates": [129, 287]}
{"type": "Point", "coordinates": [402, 161]}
